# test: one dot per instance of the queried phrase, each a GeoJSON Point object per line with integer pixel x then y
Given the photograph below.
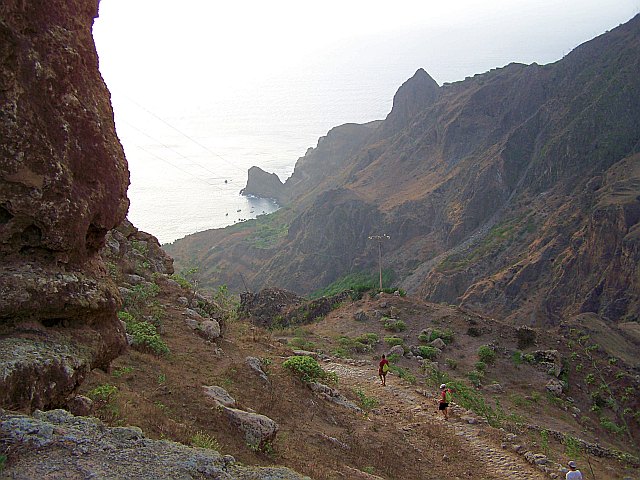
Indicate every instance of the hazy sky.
{"type": "Point", "coordinates": [147, 46]}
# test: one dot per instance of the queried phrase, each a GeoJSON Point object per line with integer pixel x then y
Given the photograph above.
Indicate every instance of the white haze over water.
{"type": "Point", "coordinates": [203, 90]}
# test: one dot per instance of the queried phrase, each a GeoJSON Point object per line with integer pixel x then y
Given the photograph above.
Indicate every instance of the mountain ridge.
{"type": "Point", "coordinates": [491, 150]}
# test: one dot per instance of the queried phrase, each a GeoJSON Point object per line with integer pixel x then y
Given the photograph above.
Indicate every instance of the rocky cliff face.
{"type": "Point", "coordinates": [263, 184]}
{"type": "Point", "coordinates": [63, 185]}
{"type": "Point", "coordinates": [502, 192]}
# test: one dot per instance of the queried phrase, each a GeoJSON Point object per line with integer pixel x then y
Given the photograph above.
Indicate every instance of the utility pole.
{"type": "Point", "coordinates": [379, 238]}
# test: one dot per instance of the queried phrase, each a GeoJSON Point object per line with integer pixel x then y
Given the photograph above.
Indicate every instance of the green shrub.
{"type": "Point", "coordinates": [475, 377]}
{"type": "Point", "coordinates": [307, 369]}
{"type": "Point", "coordinates": [393, 358]}
{"type": "Point", "coordinates": [146, 335]}
{"type": "Point", "coordinates": [3, 461]}
{"type": "Point", "coordinates": [451, 363]}
{"type": "Point", "coordinates": [361, 344]}
{"type": "Point", "coordinates": [367, 403]}
{"type": "Point", "coordinates": [368, 338]}
{"type": "Point", "coordinates": [428, 352]}
{"type": "Point", "coordinates": [572, 447]}
{"type": "Point", "coordinates": [480, 366]}
{"type": "Point", "coordinates": [612, 426]}
{"type": "Point", "coordinates": [103, 393]}
{"type": "Point", "coordinates": [119, 372]}
{"type": "Point", "coordinates": [486, 354]}
{"type": "Point", "coordinates": [126, 317]}
{"type": "Point", "coordinates": [474, 332]}
{"type": "Point", "coordinates": [445, 335]}
{"type": "Point", "coordinates": [517, 357]}
{"type": "Point", "coordinates": [143, 292]}
{"type": "Point", "coordinates": [393, 341]}
{"type": "Point", "coordinates": [404, 374]}
{"type": "Point", "coordinates": [302, 344]}
{"type": "Point", "coordinates": [394, 325]}
{"type": "Point", "coordinates": [204, 440]}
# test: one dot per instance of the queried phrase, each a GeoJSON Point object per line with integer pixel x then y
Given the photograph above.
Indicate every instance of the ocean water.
{"type": "Point", "coordinates": [188, 165]}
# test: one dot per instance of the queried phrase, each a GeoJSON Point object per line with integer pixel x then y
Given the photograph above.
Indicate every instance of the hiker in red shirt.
{"type": "Point", "coordinates": [443, 401]}
{"type": "Point", "coordinates": [383, 368]}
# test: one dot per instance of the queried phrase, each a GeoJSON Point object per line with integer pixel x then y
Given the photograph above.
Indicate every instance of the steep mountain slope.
{"type": "Point", "coordinates": [496, 191]}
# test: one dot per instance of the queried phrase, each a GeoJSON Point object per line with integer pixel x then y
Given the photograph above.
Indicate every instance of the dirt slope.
{"type": "Point", "coordinates": [401, 436]}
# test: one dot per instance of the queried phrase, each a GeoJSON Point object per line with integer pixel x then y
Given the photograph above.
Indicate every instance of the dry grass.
{"type": "Point", "coordinates": [163, 396]}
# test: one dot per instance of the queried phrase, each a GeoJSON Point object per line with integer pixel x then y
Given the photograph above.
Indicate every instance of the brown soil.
{"type": "Point", "coordinates": [402, 437]}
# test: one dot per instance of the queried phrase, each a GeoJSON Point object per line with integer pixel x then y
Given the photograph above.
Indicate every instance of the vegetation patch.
{"type": "Point", "coordinates": [204, 440]}
{"type": "Point", "coordinates": [403, 373]}
{"type": "Point", "coordinates": [428, 352]}
{"type": "Point", "coordinates": [103, 393]}
{"type": "Point", "coordinates": [445, 335]}
{"type": "Point", "coordinates": [393, 341]}
{"type": "Point", "coordinates": [394, 325]}
{"type": "Point", "coordinates": [145, 335]}
{"type": "Point", "coordinates": [499, 237]}
{"type": "Point", "coordinates": [486, 354]}
{"type": "Point", "coordinates": [358, 282]}
{"type": "Point", "coordinates": [268, 230]}
{"type": "Point", "coordinates": [308, 369]}
{"type": "Point", "coordinates": [366, 403]}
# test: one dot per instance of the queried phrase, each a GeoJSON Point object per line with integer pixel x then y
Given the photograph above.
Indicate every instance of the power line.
{"type": "Point", "coordinates": [159, 142]}
{"type": "Point", "coordinates": [184, 134]}
{"type": "Point", "coordinates": [178, 168]}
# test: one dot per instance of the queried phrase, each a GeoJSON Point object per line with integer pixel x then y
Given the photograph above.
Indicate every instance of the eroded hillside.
{"type": "Point", "coordinates": [502, 192]}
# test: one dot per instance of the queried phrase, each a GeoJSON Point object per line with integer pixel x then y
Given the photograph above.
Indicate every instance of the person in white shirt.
{"type": "Point", "coordinates": [573, 473]}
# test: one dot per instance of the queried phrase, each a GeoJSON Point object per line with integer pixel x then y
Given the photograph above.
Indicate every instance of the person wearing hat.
{"type": "Point", "coordinates": [573, 473]}
{"type": "Point", "coordinates": [445, 397]}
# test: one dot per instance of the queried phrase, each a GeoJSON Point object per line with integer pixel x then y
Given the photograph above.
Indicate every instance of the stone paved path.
{"type": "Point", "coordinates": [415, 411]}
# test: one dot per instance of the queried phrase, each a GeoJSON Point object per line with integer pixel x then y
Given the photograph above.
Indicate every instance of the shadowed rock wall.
{"type": "Point", "coordinates": [63, 183]}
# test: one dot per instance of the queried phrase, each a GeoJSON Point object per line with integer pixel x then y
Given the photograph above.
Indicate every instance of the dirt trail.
{"type": "Point", "coordinates": [413, 412]}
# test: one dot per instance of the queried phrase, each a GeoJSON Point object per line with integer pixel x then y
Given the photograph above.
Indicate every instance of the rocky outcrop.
{"type": "Point", "coordinates": [274, 306]}
{"type": "Point", "coordinates": [263, 184]}
{"type": "Point", "coordinates": [219, 395]}
{"type": "Point", "coordinates": [259, 430]}
{"type": "Point", "coordinates": [135, 251]}
{"type": "Point", "coordinates": [80, 447]}
{"type": "Point", "coordinates": [63, 186]}
{"type": "Point", "coordinates": [414, 96]}
{"type": "Point", "coordinates": [332, 395]}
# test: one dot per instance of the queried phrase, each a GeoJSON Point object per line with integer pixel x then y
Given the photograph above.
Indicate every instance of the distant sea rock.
{"type": "Point", "coordinates": [263, 184]}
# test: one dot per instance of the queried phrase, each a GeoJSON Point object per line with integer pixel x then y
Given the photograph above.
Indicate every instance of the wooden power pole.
{"type": "Point", "coordinates": [379, 238]}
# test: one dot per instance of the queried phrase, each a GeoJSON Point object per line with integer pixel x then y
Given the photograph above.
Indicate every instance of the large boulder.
{"type": "Point", "coordinates": [58, 445]}
{"type": "Point", "coordinates": [63, 185]}
{"type": "Point", "coordinates": [259, 430]}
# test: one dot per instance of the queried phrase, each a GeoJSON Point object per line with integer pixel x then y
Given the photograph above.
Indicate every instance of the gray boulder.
{"type": "Point", "coordinates": [397, 350]}
{"type": "Point", "coordinates": [555, 386]}
{"type": "Point", "coordinates": [324, 391]}
{"type": "Point", "coordinates": [360, 316]}
{"type": "Point", "coordinates": [259, 430]}
{"type": "Point", "coordinates": [255, 364]}
{"type": "Point", "coordinates": [80, 405]}
{"type": "Point", "coordinates": [59, 445]}
{"type": "Point", "coordinates": [210, 329]}
{"type": "Point", "coordinates": [438, 343]}
{"type": "Point", "coordinates": [219, 395]}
